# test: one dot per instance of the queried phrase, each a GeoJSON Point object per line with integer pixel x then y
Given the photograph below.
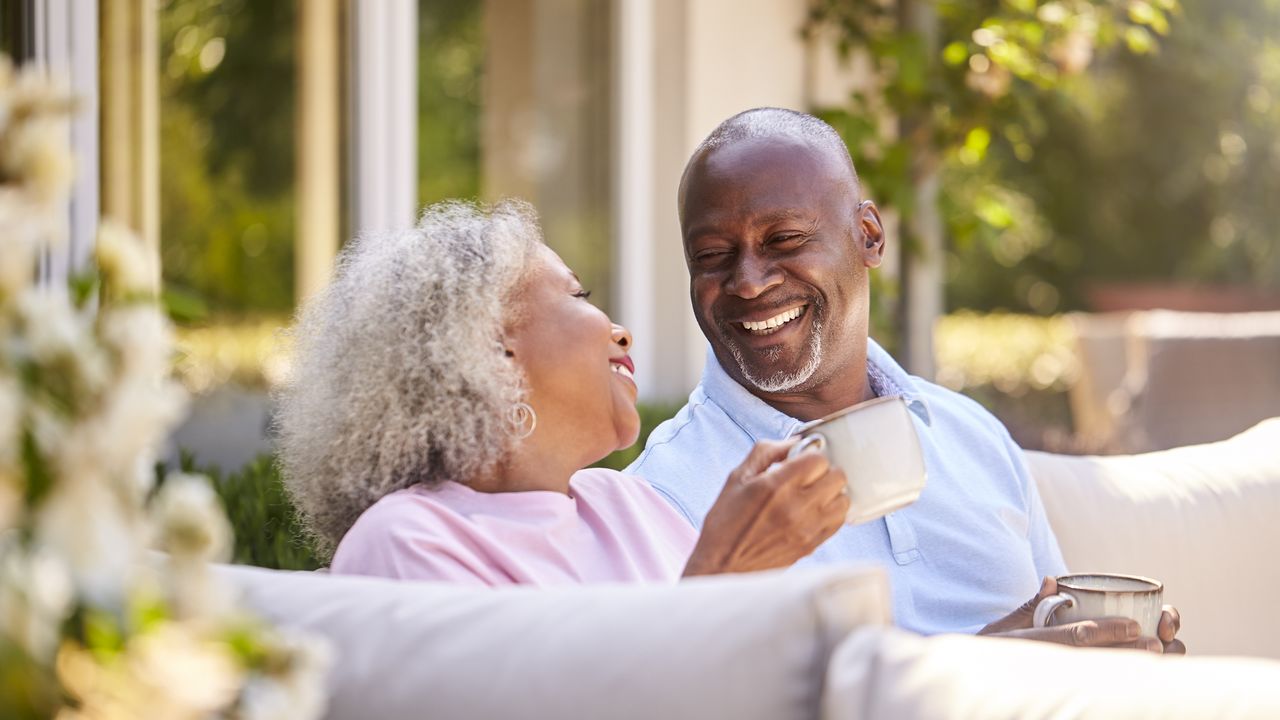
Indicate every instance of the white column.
{"type": "Point", "coordinates": [633, 203]}
{"type": "Point", "coordinates": [383, 108]}
{"type": "Point", "coordinates": [923, 272]}
{"type": "Point", "coordinates": [66, 43]}
{"type": "Point", "coordinates": [130, 177]}
{"type": "Point", "coordinates": [318, 144]}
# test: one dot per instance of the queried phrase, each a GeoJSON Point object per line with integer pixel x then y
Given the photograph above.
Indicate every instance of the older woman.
{"type": "Point", "coordinates": [449, 387]}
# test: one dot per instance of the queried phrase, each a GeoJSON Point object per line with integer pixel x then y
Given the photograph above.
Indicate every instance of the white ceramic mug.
{"type": "Point", "coordinates": [876, 445]}
{"type": "Point", "coordinates": [1089, 596]}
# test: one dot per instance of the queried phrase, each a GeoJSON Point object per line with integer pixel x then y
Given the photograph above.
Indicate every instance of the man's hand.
{"type": "Point", "coordinates": [1103, 632]}
{"type": "Point", "coordinates": [771, 512]}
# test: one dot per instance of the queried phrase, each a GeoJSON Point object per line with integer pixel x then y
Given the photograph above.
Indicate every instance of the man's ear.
{"type": "Point", "coordinates": [870, 234]}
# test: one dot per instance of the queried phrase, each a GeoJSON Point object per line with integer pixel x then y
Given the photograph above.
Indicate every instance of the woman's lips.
{"type": "Point", "coordinates": [624, 366]}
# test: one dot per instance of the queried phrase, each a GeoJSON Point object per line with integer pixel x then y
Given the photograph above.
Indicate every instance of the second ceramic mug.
{"type": "Point", "coordinates": [1089, 596]}
{"type": "Point", "coordinates": [876, 445]}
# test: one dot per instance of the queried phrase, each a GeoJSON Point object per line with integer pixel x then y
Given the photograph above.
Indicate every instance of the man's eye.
{"type": "Point", "coordinates": [787, 240]}
{"type": "Point", "coordinates": [710, 255]}
{"type": "Point", "coordinates": [584, 294]}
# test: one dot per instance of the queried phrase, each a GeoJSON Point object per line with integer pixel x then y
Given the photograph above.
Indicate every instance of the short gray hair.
{"type": "Point", "coordinates": [399, 375]}
{"type": "Point", "coordinates": [769, 122]}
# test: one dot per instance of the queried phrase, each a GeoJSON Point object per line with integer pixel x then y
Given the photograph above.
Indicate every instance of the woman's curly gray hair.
{"type": "Point", "coordinates": [399, 375]}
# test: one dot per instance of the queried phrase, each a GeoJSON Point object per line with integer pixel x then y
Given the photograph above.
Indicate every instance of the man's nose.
{"type": "Point", "coordinates": [752, 277]}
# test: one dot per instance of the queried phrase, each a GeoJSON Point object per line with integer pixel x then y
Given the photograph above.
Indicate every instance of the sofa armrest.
{"type": "Point", "coordinates": [747, 646]}
{"type": "Point", "coordinates": [883, 673]}
{"type": "Point", "coordinates": [1204, 519]}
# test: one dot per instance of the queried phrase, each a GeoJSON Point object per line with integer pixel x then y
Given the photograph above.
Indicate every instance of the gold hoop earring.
{"type": "Point", "coordinates": [523, 420]}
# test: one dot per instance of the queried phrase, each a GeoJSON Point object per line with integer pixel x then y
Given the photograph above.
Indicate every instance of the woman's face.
{"type": "Point", "coordinates": [575, 362]}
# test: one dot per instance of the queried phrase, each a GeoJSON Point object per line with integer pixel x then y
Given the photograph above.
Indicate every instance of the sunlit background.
{"type": "Point", "coordinates": [1046, 169]}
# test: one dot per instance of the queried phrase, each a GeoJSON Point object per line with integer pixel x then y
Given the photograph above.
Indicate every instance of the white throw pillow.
{"type": "Point", "coordinates": [883, 673]}
{"type": "Point", "coordinates": [1203, 519]}
{"type": "Point", "coordinates": [742, 647]}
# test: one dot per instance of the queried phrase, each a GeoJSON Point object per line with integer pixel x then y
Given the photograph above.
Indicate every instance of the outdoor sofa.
{"type": "Point", "coordinates": [819, 643]}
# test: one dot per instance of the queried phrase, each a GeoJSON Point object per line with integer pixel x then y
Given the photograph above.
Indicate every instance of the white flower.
{"type": "Point", "coordinates": [127, 265]}
{"type": "Point", "coordinates": [24, 229]}
{"type": "Point", "coordinates": [58, 339]}
{"type": "Point", "coordinates": [35, 597]}
{"type": "Point", "coordinates": [49, 324]}
{"type": "Point", "coordinates": [142, 336]}
{"type": "Point", "coordinates": [189, 519]}
{"type": "Point", "coordinates": [35, 142]}
{"type": "Point", "coordinates": [194, 673]}
{"type": "Point", "coordinates": [85, 524]}
{"type": "Point", "coordinates": [189, 524]}
{"type": "Point", "coordinates": [38, 152]}
{"type": "Point", "coordinates": [300, 691]}
{"type": "Point", "coordinates": [172, 672]}
{"type": "Point", "coordinates": [11, 471]}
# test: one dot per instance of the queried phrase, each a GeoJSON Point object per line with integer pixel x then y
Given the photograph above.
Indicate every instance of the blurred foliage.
{"type": "Point", "coordinates": [1159, 168]}
{"type": "Point", "coordinates": [268, 532]}
{"type": "Point", "coordinates": [227, 86]}
{"type": "Point", "coordinates": [226, 152]}
{"type": "Point", "coordinates": [1019, 367]}
{"type": "Point", "coordinates": [938, 105]}
{"type": "Point", "coordinates": [252, 353]}
{"type": "Point", "coordinates": [1064, 164]}
{"type": "Point", "coordinates": [1014, 354]}
{"type": "Point", "coordinates": [450, 67]}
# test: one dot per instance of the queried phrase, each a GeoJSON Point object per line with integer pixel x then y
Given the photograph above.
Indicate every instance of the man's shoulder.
{"type": "Point", "coordinates": [671, 438]}
{"type": "Point", "coordinates": [953, 410]}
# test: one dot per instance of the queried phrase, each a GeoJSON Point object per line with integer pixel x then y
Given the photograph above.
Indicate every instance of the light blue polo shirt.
{"type": "Point", "coordinates": [969, 551]}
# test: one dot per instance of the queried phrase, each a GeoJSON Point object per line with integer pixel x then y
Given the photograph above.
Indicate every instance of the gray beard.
{"type": "Point", "coordinates": [783, 381]}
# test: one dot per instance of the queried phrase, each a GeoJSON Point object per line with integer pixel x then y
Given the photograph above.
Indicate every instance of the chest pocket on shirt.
{"type": "Point", "coordinates": [902, 539]}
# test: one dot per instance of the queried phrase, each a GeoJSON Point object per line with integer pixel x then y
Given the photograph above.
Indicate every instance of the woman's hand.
{"type": "Point", "coordinates": [772, 512]}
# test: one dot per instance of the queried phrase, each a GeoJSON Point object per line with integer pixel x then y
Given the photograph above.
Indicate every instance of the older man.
{"type": "Point", "coordinates": [779, 241]}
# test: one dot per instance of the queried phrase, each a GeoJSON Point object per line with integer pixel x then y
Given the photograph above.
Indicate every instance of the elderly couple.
{"type": "Point", "coordinates": [453, 382]}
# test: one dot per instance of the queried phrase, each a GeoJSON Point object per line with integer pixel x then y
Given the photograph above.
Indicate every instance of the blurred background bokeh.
{"type": "Point", "coordinates": [1082, 195]}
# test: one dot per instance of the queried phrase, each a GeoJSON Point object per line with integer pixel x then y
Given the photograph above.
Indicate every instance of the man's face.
{"type": "Point", "coordinates": [776, 244]}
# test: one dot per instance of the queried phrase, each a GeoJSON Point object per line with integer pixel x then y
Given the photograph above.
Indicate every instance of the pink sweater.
{"type": "Point", "coordinates": [611, 527]}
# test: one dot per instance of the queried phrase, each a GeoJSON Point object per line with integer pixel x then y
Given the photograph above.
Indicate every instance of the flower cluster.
{"type": "Point", "coordinates": [93, 624]}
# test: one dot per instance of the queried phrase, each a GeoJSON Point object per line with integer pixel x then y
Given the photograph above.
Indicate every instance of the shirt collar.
{"type": "Point", "coordinates": [764, 422]}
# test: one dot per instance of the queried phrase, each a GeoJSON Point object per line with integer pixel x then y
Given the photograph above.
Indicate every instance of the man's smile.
{"type": "Point", "coordinates": [751, 329]}
{"type": "Point", "coordinates": [772, 324]}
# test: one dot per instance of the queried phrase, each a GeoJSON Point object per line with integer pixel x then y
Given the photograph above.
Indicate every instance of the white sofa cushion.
{"type": "Point", "coordinates": [1203, 519]}
{"type": "Point", "coordinates": [883, 673]}
{"type": "Point", "coordinates": [747, 646]}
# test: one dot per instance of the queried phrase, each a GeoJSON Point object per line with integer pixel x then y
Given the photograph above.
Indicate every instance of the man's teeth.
{"type": "Point", "coordinates": [764, 327]}
{"type": "Point", "coordinates": [624, 371]}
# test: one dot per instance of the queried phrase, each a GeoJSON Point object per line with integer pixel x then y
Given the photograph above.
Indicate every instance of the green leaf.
{"type": "Point", "coordinates": [1139, 40]}
{"type": "Point", "coordinates": [994, 213]}
{"type": "Point", "coordinates": [957, 53]}
{"type": "Point", "coordinates": [1143, 13]}
{"type": "Point", "coordinates": [39, 475]}
{"type": "Point", "coordinates": [183, 306]}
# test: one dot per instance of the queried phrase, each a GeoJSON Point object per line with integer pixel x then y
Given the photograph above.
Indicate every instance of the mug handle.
{"type": "Point", "coordinates": [816, 440]}
{"type": "Point", "coordinates": [1046, 608]}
